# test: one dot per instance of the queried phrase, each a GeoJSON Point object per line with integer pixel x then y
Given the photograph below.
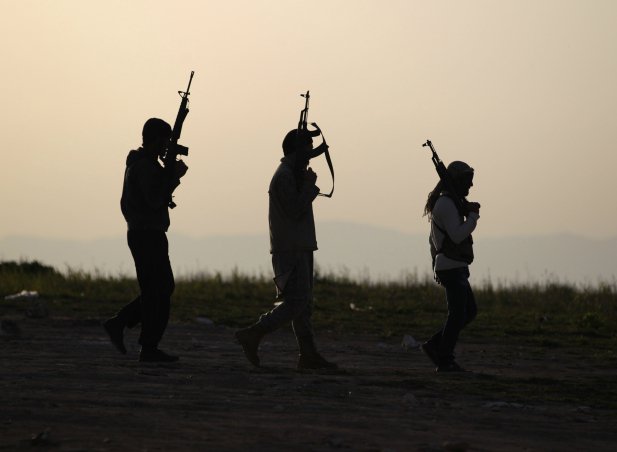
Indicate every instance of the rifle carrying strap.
{"type": "Point", "coordinates": [329, 160]}
{"type": "Point", "coordinates": [330, 165]}
{"type": "Point", "coordinates": [315, 133]}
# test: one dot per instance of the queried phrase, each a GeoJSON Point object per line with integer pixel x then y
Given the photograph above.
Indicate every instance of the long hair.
{"type": "Point", "coordinates": [433, 196]}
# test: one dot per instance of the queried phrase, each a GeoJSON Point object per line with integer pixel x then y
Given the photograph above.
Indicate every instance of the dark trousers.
{"type": "Point", "coordinates": [462, 309]}
{"type": "Point", "coordinates": [151, 307]}
{"type": "Point", "coordinates": [297, 305]}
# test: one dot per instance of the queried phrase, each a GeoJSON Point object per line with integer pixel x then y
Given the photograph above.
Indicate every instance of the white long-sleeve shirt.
{"type": "Point", "coordinates": [445, 215]}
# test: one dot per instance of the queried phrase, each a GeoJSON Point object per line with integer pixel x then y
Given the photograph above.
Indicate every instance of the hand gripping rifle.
{"type": "Point", "coordinates": [173, 148]}
{"type": "Point", "coordinates": [302, 126]}
{"type": "Point", "coordinates": [446, 180]}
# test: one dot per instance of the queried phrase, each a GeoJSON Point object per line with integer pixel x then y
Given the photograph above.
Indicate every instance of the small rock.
{"type": "Point", "coordinates": [583, 409]}
{"type": "Point", "coordinates": [336, 441]}
{"type": "Point", "coordinates": [496, 405]}
{"type": "Point", "coordinates": [410, 399]}
{"type": "Point", "coordinates": [152, 373]}
{"type": "Point", "coordinates": [43, 439]}
{"type": "Point", "coordinates": [38, 311]}
{"type": "Point", "coordinates": [204, 321]}
{"type": "Point", "coordinates": [9, 328]}
{"type": "Point", "coordinates": [409, 342]}
{"type": "Point", "coordinates": [24, 295]}
{"type": "Point", "coordinates": [455, 446]}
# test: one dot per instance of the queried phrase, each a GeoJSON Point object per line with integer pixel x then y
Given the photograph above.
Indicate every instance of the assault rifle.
{"type": "Point", "coordinates": [173, 148]}
{"type": "Point", "coordinates": [464, 250]}
{"type": "Point", "coordinates": [302, 127]}
{"type": "Point", "coordinates": [304, 113]}
{"type": "Point", "coordinates": [446, 180]}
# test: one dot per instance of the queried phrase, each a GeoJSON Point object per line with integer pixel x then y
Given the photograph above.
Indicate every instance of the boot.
{"type": "Point", "coordinates": [249, 338]}
{"type": "Point", "coordinates": [432, 351]}
{"type": "Point", "coordinates": [309, 358]}
{"type": "Point", "coordinates": [450, 367]}
{"type": "Point", "coordinates": [115, 329]}
{"type": "Point", "coordinates": [155, 355]}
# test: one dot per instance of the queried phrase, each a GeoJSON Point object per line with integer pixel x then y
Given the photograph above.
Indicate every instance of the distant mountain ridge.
{"type": "Point", "coordinates": [360, 251]}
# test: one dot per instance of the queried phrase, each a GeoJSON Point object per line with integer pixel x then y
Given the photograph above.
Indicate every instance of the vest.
{"type": "Point", "coordinates": [457, 251]}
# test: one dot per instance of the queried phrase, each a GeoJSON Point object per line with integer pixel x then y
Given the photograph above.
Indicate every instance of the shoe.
{"type": "Point", "coordinates": [309, 358]}
{"type": "Point", "coordinates": [314, 361]}
{"type": "Point", "coordinates": [430, 350]}
{"type": "Point", "coordinates": [115, 329]}
{"type": "Point", "coordinates": [154, 355]}
{"type": "Point", "coordinates": [449, 367]}
{"type": "Point", "coordinates": [249, 338]}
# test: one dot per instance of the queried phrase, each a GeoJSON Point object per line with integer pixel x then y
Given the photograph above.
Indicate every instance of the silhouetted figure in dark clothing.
{"type": "Point", "coordinates": [146, 194]}
{"type": "Point", "coordinates": [292, 243]}
{"type": "Point", "coordinates": [453, 253]}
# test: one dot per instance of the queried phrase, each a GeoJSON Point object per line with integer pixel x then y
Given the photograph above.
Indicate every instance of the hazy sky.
{"type": "Point", "coordinates": [522, 90]}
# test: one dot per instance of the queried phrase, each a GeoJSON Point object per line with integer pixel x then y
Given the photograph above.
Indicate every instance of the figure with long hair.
{"type": "Point", "coordinates": [452, 222]}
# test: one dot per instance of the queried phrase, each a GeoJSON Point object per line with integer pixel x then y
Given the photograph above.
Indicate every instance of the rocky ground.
{"type": "Point", "coordinates": [63, 387]}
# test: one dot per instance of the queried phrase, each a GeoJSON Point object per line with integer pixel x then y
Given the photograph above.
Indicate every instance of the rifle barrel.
{"type": "Point", "coordinates": [190, 80]}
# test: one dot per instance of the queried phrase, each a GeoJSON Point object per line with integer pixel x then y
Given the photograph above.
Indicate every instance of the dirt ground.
{"type": "Point", "coordinates": [63, 387]}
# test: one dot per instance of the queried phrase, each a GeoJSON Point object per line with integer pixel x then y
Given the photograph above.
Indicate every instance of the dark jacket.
{"type": "Point", "coordinates": [146, 192]}
{"type": "Point", "coordinates": [290, 214]}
